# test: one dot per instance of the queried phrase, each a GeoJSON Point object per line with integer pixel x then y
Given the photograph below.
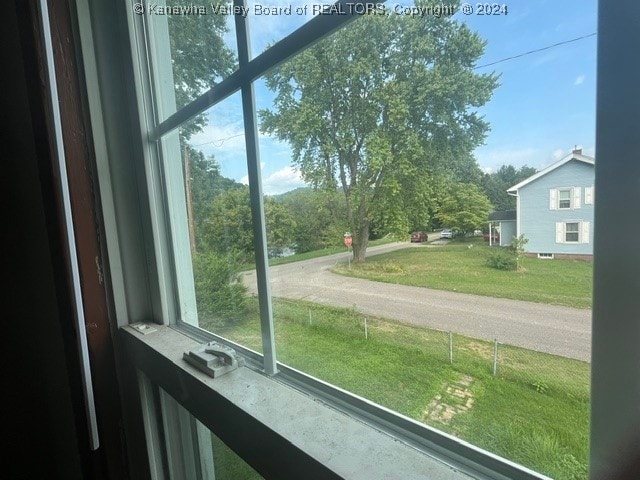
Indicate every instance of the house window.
{"type": "Point", "coordinates": [548, 256]}
{"type": "Point", "coordinates": [572, 232]}
{"type": "Point", "coordinates": [568, 198]}
{"type": "Point", "coordinates": [564, 198]}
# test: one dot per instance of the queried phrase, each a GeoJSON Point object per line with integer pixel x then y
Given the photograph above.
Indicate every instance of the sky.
{"type": "Point", "coordinates": [543, 108]}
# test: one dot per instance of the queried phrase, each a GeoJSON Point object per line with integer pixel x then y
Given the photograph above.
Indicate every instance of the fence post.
{"type": "Point", "coordinates": [495, 357]}
{"type": "Point", "coordinates": [366, 333]}
{"type": "Point", "coordinates": [451, 348]}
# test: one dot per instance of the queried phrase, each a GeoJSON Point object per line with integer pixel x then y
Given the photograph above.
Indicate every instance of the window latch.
{"type": "Point", "coordinates": [214, 359]}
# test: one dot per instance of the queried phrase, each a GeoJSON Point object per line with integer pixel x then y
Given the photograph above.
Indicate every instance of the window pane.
{"type": "Point", "coordinates": [394, 125]}
{"type": "Point", "coordinates": [270, 22]}
{"type": "Point", "coordinates": [572, 230]}
{"type": "Point", "coordinates": [218, 227]}
{"type": "Point", "coordinates": [191, 51]}
{"type": "Point", "coordinates": [565, 198]}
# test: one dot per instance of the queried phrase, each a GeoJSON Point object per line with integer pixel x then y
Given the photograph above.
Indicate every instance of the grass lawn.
{"type": "Point", "coordinates": [534, 412]}
{"type": "Point", "coordinates": [455, 267]}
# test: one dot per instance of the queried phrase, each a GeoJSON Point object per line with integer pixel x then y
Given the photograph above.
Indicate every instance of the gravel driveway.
{"type": "Point", "coordinates": [547, 328]}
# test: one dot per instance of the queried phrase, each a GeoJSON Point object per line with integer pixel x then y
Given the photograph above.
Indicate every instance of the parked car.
{"type": "Point", "coordinates": [419, 237]}
{"type": "Point", "coordinates": [446, 233]}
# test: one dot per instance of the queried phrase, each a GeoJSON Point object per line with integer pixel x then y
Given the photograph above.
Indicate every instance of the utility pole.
{"type": "Point", "coordinates": [187, 184]}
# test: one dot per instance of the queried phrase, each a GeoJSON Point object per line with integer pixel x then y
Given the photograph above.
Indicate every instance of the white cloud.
{"type": "Point", "coordinates": [579, 80]}
{"type": "Point", "coordinates": [282, 181]}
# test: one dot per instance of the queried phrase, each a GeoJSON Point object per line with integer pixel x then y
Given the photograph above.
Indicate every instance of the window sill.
{"type": "Point", "coordinates": [280, 431]}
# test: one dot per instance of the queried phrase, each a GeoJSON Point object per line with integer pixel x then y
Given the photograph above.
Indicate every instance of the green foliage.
{"type": "Point", "coordinates": [464, 209]}
{"type": "Point", "coordinates": [495, 185]}
{"type": "Point", "coordinates": [199, 57]}
{"type": "Point", "coordinates": [378, 110]}
{"type": "Point", "coordinates": [229, 226]}
{"type": "Point", "coordinates": [319, 216]}
{"type": "Point", "coordinates": [502, 260]}
{"type": "Point", "coordinates": [220, 296]}
{"type": "Point", "coordinates": [517, 247]}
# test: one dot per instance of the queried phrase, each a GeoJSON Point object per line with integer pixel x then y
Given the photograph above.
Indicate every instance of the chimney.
{"type": "Point", "coordinates": [577, 151]}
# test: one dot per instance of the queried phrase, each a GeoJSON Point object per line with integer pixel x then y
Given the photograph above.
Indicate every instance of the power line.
{"type": "Point", "coordinates": [220, 141]}
{"type": "Point", "coordinates": [536, 50]}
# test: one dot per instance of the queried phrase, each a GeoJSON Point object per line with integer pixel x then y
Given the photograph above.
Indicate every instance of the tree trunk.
{"type": "Point", "coordinates": [360, 242]}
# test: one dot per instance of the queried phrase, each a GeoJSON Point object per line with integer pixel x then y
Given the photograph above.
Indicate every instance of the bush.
{"type": "Point", "coordinates": [220, 296]}
{"type": "Point", "coordinates": [502, 260]}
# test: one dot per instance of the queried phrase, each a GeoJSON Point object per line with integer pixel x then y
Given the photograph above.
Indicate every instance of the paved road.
{"type": "Point", "coordinates": [547, 328]}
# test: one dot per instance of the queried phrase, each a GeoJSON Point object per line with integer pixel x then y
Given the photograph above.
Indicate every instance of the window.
{"type": "Point", "coordinates": [572, 232]}
{"type": "Point", "coordinates": [564, 199]}
{"type": "Point", "coordinates": [179, 224]}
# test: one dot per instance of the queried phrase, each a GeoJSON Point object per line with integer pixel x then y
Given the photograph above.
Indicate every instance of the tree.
{"type": "Point", "coordinates": [319, 216]}
{"type": "Point", "coordinates": [229, 226]}
{"type": "Point", "coordinates": [199, 57]}
{"type": "Point", "coordinates": [495, 185]}
{"type": "Point", "coordinates": [465, 209]}
{"type": "Point", "coordinates": [378, 110]}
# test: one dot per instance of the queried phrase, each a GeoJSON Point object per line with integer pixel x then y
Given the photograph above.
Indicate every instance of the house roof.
{"type": "Point", "coordinates": [502, 215]}
{"type": "Point", "coordinates": [575, 155]}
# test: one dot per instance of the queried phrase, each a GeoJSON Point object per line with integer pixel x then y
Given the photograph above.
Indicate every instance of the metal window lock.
{"type": "Point", "coordinates": [214, 359]}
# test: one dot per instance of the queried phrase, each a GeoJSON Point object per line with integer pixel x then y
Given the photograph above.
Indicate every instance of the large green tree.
{"type": "Point", "coordinates": [495, 185]}
{"type": "Point", "coordinates": [465, 208]}
{"type": "Point", "coordinates": [380, 108]}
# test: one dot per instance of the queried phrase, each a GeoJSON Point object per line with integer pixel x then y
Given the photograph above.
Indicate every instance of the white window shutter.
{"type": "Point", "coordinates": [577, 194]}
{"type": "Point", "coordinates": [584, 234]}
{"type": "Point", "coordinates": [588, 195]}
{"type": "Point", "coordinates": [553, 199]}
{"type": "Point", "coordinates": [559, 232]}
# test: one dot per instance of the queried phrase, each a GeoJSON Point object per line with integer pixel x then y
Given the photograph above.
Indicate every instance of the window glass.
{"type": "Point", "coordinates": [270, 22]}
{"type": "Point", "coordinates": [572, 231]}
{"type": "Point", "coordinates": [193, 49]}
{"type": "Point", "coordinates": [564, 199]}
{"type": "Point", "coordinates": [218, 228]}
{"type": "Point", "coordinates": [399, 123]}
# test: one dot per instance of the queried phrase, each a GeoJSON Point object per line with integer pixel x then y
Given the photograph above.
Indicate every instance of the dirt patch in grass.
{"type": "Point", "coordinates": [455, 398]}
{"type": "Point", "coordinates": [482, 349]}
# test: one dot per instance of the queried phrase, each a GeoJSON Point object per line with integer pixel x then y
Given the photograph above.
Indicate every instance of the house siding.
{"type": "Point", "coordinates": [507, 232]}
{"type": "Point", "coordinates": [538, 221]}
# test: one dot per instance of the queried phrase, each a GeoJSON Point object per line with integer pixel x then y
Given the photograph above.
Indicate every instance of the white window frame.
{"type": "Point", "coordinates": [570, 199]}
{"type": "Point", "coordinates": [139, 274]}
{"type": "Point", "coordinates": [584, 228]}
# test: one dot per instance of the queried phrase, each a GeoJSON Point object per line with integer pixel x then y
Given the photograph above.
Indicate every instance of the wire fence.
{"type": "Point", "coordinates": [542, 371]}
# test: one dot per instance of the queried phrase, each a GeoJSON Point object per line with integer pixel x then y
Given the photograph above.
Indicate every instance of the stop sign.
{"type": "Point", "coordinates": [348, 240]}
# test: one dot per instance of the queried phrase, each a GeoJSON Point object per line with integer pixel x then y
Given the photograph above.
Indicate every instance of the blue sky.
{"type": "Point", "coordinates": [545, 103]}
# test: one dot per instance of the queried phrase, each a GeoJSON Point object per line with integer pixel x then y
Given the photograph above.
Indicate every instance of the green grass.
{"type": "Point", "coordinates": [298, 257]}
{"type": "Point", "coordinates": [534, 412]}
{"type": "Point", "coordinates": [457, 268]}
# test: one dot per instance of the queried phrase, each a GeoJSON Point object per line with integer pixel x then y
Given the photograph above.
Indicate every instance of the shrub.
{"type": "Point", "coordinates": [502, 260]}
{"type": "Point", "coordinates": [220, 296]}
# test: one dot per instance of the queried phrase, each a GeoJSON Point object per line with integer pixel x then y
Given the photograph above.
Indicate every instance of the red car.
{"type": "Point", "coordinates": [419, 237]}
